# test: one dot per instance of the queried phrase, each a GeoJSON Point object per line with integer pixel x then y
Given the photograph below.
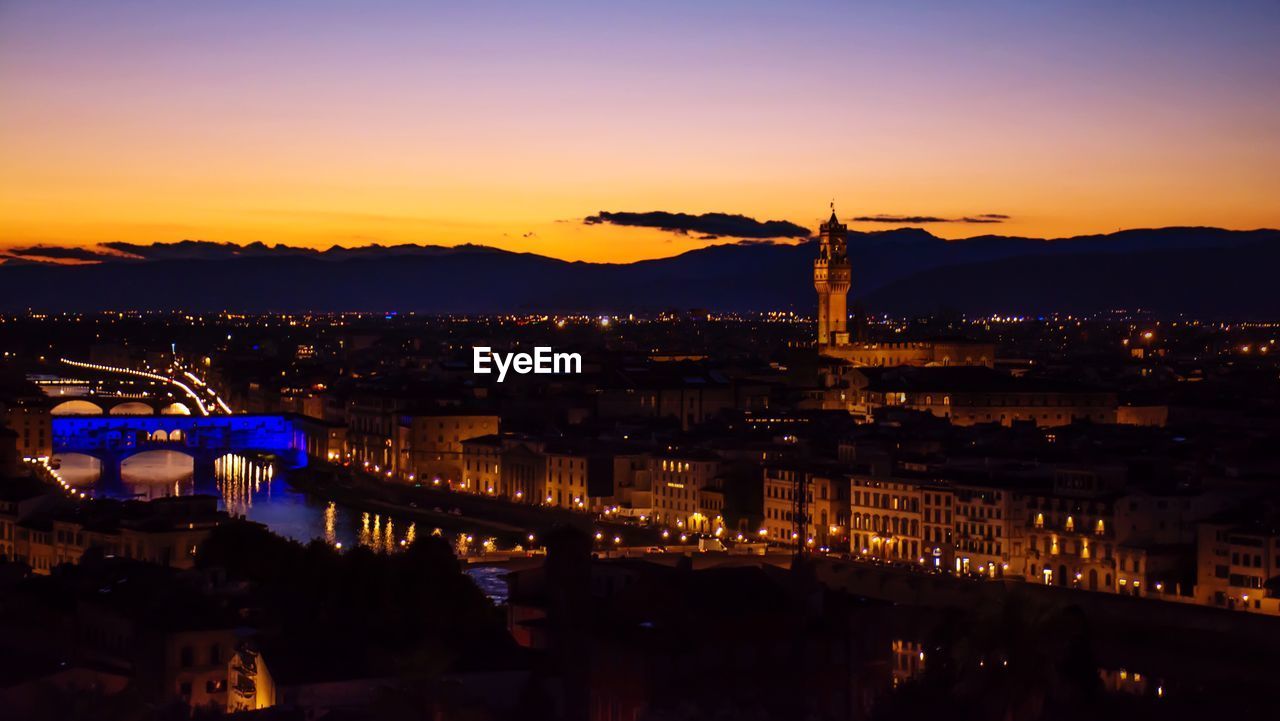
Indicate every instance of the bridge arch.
{"type": "Point", "coordinates": [161, 435]}
{"type": "Point", "coordinates": [177, 459]}
{"type": "Point", "coordinates": [77, 407]}
{"type": "Point", "coordinates": [158, 473]}
{"type": "Point", "coordinates": [115, 437]}
{"type": "Point", "coordinates": [132, 408]}
{"type": "Point", "coordinates": [79, 469]}
{"type": "Point", "coordinates": [177, 408]}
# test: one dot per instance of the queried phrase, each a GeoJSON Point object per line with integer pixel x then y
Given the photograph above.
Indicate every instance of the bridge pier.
{"type": "Point", "coordinates": [203, 464]}
{"type": "Point", "coordinates": [109, 474]}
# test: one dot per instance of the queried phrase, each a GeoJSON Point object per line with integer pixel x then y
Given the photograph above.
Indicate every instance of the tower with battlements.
{"type": "Point", "coordinates": [831, 280]}
{"type": "Point", "coordinates": [831, 273]}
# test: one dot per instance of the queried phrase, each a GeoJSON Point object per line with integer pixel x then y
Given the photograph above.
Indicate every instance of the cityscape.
{"type": "Point", "coordinates": [1101, 486]}
{"type": "Point", "coordinates": [947, 386]}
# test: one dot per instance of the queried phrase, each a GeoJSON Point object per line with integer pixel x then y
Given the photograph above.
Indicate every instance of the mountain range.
{"type": "Point", "coordinates": [1202, 272]}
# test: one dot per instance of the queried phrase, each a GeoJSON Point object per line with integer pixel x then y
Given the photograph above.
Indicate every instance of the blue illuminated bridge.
{"type": "Point", "coordinates": [112, 439]}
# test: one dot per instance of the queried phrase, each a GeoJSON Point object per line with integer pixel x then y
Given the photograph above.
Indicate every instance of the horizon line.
{"type": "Point", "coordinates": [103, 253]}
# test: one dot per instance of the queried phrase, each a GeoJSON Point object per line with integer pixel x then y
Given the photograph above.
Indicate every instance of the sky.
{"type": "Point", "coordinates": [508, 123]}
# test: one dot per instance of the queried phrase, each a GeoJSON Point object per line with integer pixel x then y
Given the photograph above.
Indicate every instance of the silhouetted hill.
{"type": "Point", "coordinates": [1233, 282]}
{"type": "Point", "coordinates": [1191, 270]}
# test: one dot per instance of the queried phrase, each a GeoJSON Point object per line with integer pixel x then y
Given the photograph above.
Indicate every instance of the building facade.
{"type": "Point", "coordinates": [886, 518]}
{"type": "Point", "coordinates": [1234, 561]}
{"type": "Point", "coordinates": [32, 420]}
{"type": "Point", "coordinates": [433, 445]}
{"type": "Point", "coordinates": [679, 479]}
{"type": "Point", "coordinates": [969, 396]}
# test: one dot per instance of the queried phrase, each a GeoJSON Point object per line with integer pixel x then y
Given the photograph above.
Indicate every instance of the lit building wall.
{"type": "Point", "coordinates": [937, 525]}
{"type": "Point", "coordinates": [965, 408]}
{"type": "Point", "coordinates": [677, 482]}
{"type": "Point", "coordinates": [826, 523]}
{"type": "Point", "coordinates": [913, 353]}
{"type": "Point", "coordinates": [523, 473]}
{"type": "Point", "coordinates": [434, 445]}
{"type": "Point", "coordinates": [566, 484]}
{"type": "Point", "coordinates": [983, 531]}
{"type": "Point", "coordinates": [780, 486]}
{"type": "Point", "coordinates": [33, 423]}
{"type": "Point", "coordinates": [250, 686]}
{"type": "Point", "coordinates": [1071, 541]}
{"type": "Point", "coordinates": [1233, 564]}
{"type": "Point", "coordinates": [482, 465]}
{"type": "Point", "coordinates": [886, 517]}
{"type": "Point", "coordinates": [373, 432]}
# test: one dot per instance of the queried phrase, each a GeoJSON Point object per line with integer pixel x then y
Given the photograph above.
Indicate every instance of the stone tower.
{"type": "Point", "coordinates": [831, 280]}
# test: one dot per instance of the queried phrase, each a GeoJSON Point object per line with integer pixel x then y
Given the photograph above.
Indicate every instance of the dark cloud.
{"type": "Point", "coordinates": [59, 253]}
{"type": "Point", "coordinates": [900, 219]}
{"type": "Point", "coordinates": [121, 251]}
{"type": "Point", "coordinates": [885, 218]}
{"type": "Point", "coordinates": [203, 250]}
{"type": "Point", "coordinates": [707, 224]}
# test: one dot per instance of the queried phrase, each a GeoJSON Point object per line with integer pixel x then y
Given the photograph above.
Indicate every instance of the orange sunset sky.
{"type": "Point", "coordinates": [506, 124]}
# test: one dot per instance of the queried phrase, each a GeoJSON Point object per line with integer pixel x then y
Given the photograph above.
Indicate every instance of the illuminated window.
{"type": "Point", "coordinates": [1102, 527]}
{"type": "Point", "coordinates": [1071, 523]}
{"type": "Point", "coordinates": [1039, 520]}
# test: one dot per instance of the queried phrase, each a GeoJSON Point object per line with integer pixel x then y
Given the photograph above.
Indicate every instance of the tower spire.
{"type": "Point", "coordinates": [831, 274]}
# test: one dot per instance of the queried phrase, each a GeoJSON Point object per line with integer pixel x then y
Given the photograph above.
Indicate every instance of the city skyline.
{"type": "Point", "coordinates": [575, 361]}
{"type": "Point", "coordinates": [515, 127]}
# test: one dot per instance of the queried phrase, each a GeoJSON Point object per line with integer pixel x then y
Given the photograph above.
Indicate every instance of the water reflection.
{"type": "Point", "coordinates": [253, 487]}
{"type": "Point", "coordinates": [157, 474]}
{"type": "Point", "coordinates": [907, 659]}
{"type": "Point", "coordinates": [80, 470]}
{"type": "Point", "coordinates": [256, 487]}
{"type": "Point", "coordinates": [240, 479]}
{"type": "Point", "coordinates": [331, 523]}
{"type": "Point", "coordinates": [492, 581]}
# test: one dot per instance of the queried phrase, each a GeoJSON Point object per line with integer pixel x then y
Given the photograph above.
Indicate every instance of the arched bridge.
{"type": "Point", "coordinates": [112, 439]}
{"type": "Point", "coordinates": [118, 406]}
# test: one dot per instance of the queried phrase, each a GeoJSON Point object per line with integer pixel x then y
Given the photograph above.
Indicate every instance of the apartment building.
{"type": "Point", "coordinates": [1236, 556]}
{"type": "Point", "coordinates": [886, 515]}
{"type": "Point", "coordinates": [679, 478]}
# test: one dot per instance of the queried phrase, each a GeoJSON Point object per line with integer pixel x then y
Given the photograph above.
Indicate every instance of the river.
{"type": "Point", "coordinates": [259, 490]}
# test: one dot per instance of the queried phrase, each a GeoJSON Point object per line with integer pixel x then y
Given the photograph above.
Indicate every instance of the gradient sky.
{"type": "Point", "coordinates": [315, 123]}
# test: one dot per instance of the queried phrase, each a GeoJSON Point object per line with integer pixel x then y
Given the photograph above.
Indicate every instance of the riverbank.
{"type": "Point", "coordinates": [428, 505]}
